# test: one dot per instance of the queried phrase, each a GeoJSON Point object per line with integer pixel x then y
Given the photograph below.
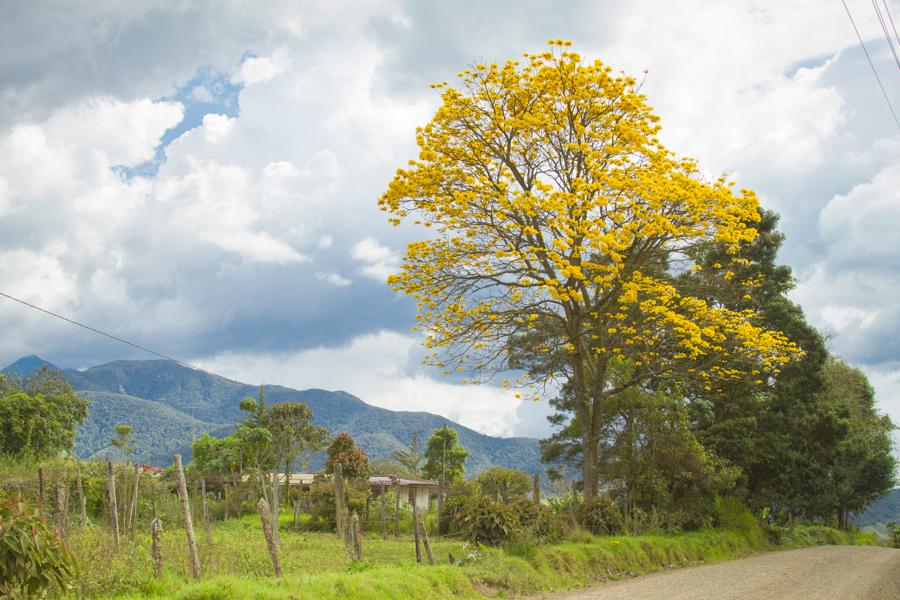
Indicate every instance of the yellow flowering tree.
{"type": "Point", "coordinates": [557, 222]}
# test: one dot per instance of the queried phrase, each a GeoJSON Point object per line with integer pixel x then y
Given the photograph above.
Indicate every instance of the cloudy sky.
{"type": "Point", "coordinates": [201, 177]}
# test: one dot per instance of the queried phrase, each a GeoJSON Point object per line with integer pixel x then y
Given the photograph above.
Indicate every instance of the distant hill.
{"type": "Point", "coordinates": [880, 512]}
{"type": "Point", "coordinates": [166, 404]}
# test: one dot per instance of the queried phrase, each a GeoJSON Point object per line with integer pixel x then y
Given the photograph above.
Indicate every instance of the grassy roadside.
{"type": "Point", "coordinates": [389, 572]}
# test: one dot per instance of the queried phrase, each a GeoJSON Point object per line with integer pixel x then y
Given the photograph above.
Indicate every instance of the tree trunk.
{"type": "Point", "coordinates": [40, 484]}
{"type": "Point", "coordinates": [589, 456]}
{"type": "Point", "coordinates": [156, 551]}
{"type": "Point", "coordinates": [188, 522]}
{"type": "Point", "coordinates": [574, 506]}
{"type": "Point", "coordinates": [264, 513]}
{"type": "Point", "coordinates": [536, 488]}
{"type": "Point", "coordinates": [113, 510]}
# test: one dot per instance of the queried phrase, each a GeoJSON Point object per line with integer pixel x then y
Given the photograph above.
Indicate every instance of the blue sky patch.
{"type": "Point", "coordinates": [208, 92]}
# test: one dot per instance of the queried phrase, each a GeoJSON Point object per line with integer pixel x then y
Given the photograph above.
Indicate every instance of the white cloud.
{"type": "Point", "coordinates": [259, 69]}
{"type": "Point", "coordinates": [379, 260]}
{"type": "Point", "coordinates": [124, 132]}
{"type": "Point", "coordinates": [333, 279]}
{"type": "Point", "coordinates": [839, 317]}
{"type": "Point", "coordinates": [235, 233]}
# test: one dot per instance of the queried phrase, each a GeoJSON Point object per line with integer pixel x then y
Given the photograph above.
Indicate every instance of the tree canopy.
{"type": "Point", "coordinates": [444, 456]}
{"type": "Point", "coordinates": [353, 460]}
{"type": "Point", "coordinates": [555, 208]}
{"type": "Point", "coordinates": [39, 415]}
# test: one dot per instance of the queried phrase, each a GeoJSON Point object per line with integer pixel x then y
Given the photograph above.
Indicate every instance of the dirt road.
{"type": "Point", "coordinates": [832, 572]}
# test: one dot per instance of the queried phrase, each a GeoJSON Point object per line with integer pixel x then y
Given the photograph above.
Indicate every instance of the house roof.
{"type": "Point", "coordinates": [378, 480]}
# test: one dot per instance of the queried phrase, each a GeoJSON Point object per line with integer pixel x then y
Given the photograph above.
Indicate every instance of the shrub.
{"type": "Point", "coordinates": [601, 517]}
{"type": "Point", "coordinates": [321, 502]}
{"type": "Point", "coordinates": [451, 515]}
{"type": "Point", "coordinates": [33, 558]}
{"type": "Point", "coordinates": [893, 530]}
{"type": "Point", "coordinates": [487, 521]}
{"type": "Point", "coordinates": [504, 484]}
{"type": "Point", "coordinates": [733, 514]}
{"type": "Point", "coordinates": [535, 518]}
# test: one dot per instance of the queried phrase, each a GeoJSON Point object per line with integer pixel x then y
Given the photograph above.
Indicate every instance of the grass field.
{"type": "Point", "coordinates": [236, 564]}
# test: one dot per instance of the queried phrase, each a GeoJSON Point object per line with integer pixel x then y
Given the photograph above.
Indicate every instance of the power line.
{"type": "Point", "coordinates": [884, 28]}
{"type": "Point", "coordinates": [891, 19]}
{"type": "Point", "coordinates": [871, 64]}
{"type": "Point", "coordinates": [126, 342]}
{"type": "Point", "coordinates": [103, 333]}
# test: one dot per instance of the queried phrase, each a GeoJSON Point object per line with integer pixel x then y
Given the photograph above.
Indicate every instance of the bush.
{"type": "Point", "coordinates": [733, 514]}
{"type": "Point", "coordinates": [321, 502]}
{"type": "Point", "coordinates": [600, 517]}
{"type": "Point", "coordinates": [504, 484]}
{"type": "Point", "coordinates": [33, 558]}
{"type": "Point", "coordinates": [451, 515]}
{"type": "Point", "coordinates": [487, 521]}
{"type": "Point", "coordinates": [535, 518]}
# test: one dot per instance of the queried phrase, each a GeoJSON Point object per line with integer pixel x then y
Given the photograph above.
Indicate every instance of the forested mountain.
{"type": "Point", "coordinates": [882, 511]}
{"type": "Point", "coordinates": [166, 404]}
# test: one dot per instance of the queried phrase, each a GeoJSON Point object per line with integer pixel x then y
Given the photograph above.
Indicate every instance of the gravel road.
{"type": "Point", "coordinates": [824, 572]}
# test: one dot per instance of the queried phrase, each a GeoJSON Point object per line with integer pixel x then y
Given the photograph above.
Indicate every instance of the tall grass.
{"type": "Point", "coordinates": [236, 565]}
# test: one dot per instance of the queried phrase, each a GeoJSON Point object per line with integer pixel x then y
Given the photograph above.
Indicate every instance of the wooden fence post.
{"type": "Point", "coordinates": [205, 511]}
{"type": "Point", "coordinates": [264, 515]}
{"type": "Point", "coordinates": [113, 510]}
{"type": "Point", "coordinates": [383, 512]}
{"type": "Point", "coordinates": [156, 551]}
{"type": "Point", "coordinates": [420, 525]}
{"type": "Point", "coordinates": [397, 511]}
{"type": "Point", "coordinates": [188, 523]}
{"type": "Point", "coordinates": [132, 508]}
{"type": "Point", "coordinates": [82, 500]}
{"type": "Point", "coordinates": [356, 535]}
{"type": "Point", "coordinates": [416, 532]}
{"type": "Point", "coordinates": [536, 488]}
{"type": "Point", "coordinates": [440, 500]}
{"type": "Point", "coordinates": [60, 513]}
{"type": "Point", "coordinates": [339, 521]}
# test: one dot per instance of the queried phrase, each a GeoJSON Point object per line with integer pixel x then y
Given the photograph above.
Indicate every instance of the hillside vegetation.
{"type": "Point", "coordinates": [167, 404]}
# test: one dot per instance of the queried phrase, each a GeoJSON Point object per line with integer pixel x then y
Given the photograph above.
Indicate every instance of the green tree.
{"type": "Point", "coordinates": [553, 205]}
{"type": "Point", "coordinates": [445, 457]}
{"type": "Point", "coordinates": [504, 484]}
{"type": "Point", "coordinates": [294, 441]}
{"type": "Point", "coordinates": [353, 460]}
{"type": "Point", "coordinates": [39, 415]}
{"type": "Point", "coordinates": [860, 465]}
{"type": "Point", "coordinates": [771, 427]}
{"type": "Point", "coordinates": [412, 456]}
{"type": "Point", "coordinates": [124, 439]}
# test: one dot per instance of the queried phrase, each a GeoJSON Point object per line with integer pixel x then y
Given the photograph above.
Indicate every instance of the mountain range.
{"type": "Point", "coordinates": [167, 404]}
